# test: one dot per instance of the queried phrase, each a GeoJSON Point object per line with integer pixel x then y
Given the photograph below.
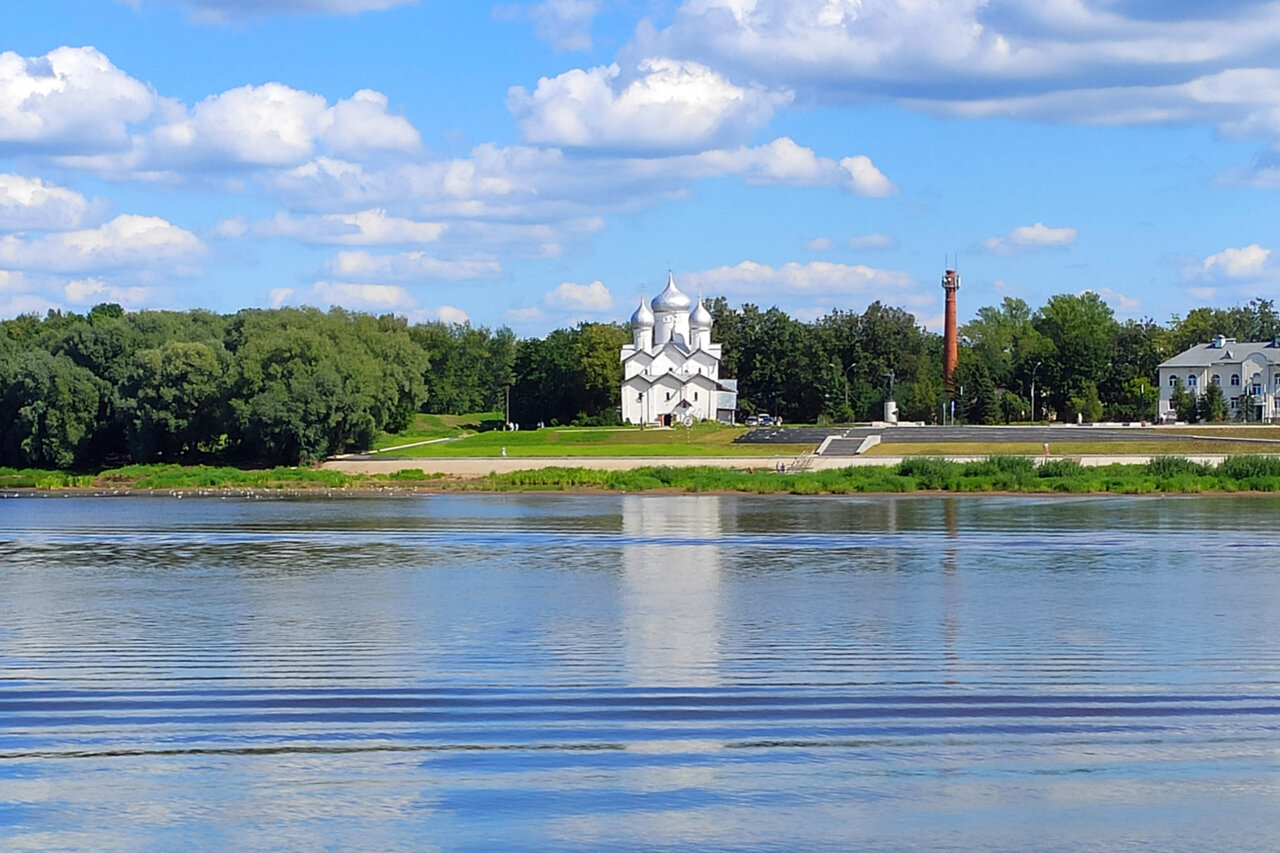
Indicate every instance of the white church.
{"type": "Point", "coordinates": [671, 370]}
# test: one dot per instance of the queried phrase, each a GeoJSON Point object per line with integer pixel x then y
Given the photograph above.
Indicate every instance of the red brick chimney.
{"type": "Point", "coordinates": [950, 339]}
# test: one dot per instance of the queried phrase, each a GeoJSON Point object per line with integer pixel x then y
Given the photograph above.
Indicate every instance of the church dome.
{"type": "Point", "coordinates": [671, 300]}
{"type": "Point", "coordinates": [643, 318]}
{"type": "Point", "coordinates": [701, 317]}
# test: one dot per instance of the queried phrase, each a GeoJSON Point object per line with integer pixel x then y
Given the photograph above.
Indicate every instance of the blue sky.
{"type": "Point", "coordinates": [535, 164]}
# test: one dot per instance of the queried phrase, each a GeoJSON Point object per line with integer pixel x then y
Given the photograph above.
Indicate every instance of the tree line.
{"type": "Point", "coordinates": [294, 385]}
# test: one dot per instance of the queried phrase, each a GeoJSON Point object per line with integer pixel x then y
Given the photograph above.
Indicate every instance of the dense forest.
{"type": "Point", "coordinates": [291, 386]}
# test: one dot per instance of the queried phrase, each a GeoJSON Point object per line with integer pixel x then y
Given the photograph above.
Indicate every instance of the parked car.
{"type": "Point", "coordinates": [752, 420]}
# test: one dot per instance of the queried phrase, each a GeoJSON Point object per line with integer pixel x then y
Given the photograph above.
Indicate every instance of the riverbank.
{"type": "Point", "coordinates": [1007, 474]}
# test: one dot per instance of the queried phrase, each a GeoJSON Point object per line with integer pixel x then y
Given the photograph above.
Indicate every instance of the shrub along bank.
{"type": "Point", "coordinates": [1163, 475]}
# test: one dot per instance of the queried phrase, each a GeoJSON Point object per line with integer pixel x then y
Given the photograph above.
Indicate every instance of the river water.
{"type": "Point", "coordinates": [640, 673]}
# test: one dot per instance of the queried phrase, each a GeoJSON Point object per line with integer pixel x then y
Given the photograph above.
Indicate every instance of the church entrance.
{"type": "Point", "coordinates": [667, 420]}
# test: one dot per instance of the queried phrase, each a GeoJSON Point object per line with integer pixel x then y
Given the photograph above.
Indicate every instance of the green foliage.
{"type": "Point", "coordinates": [1060, 468]}
{"type": "Point", "coordinates": [1211, 406]}
{"type": "Point", "coordinates": [1249, 467]}
{"type": "Point", "coordinates": [1175, 466]}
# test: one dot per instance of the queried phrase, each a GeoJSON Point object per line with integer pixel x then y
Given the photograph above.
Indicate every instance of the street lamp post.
{"type": "Point", "coordinates": [1033, 390]}
{"type": "Point", "coordinates": [846, 381]}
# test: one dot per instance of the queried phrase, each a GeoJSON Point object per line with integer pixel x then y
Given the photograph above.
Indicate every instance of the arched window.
{"type": "Point", "coordinates": [1173, 381]}
{"type": "Point", "coordinates": [668, 395]}
{"type": "Point", "coordinates": [1235, 380]}
{"type": "Point", "coordinates": [1217, 379]}
{"type": "Point", "coordinates": [1191, 380]}
{"type": "Point", "coordinates": [695, 395]}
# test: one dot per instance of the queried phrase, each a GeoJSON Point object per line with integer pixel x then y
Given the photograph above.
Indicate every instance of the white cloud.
{"type": "Point", "coordinates": [449, 314]}
{"type": "Point", "coordinates": [668, 105]}
{"type": "Point", "coordinates": [380, 297]}
{"type": "Point", "coordinates": [1249, 262]}
{"type": "Point", "coordinates": [407, 266]}
{"type": "Point", "coordinates": [361, 124]}
{"type": "Point", "coordinates": [31, 204]}
{"type": "Point", "coordinates": [524, 315]}
{"type": "Point", "coordinates": [1027, 238]}
{"type": "Point", "coordinates": [93, 290]}
{"type": "Point", "coordinates": [69, 100]}
{"type": "Point", "coordinates": [268, 125]}
{"type": "Point", "coordinates": [128, 241]}
{"type": "Point", "coordinates": [865, 179]}
{"type": "Point", "coordinates": [265, 126]}
{"type": "Point", "coordinates": [366, 228]}
{"type": "Point", "coordinates": [593, 297]}
{"type": "Point", "coordinates": [873, 241]}
{"type": "Point", "coordinates": [278, 296]}
{"type": "Point", "coordinates": [750, 278]}
{"type": "Point", "coordinates": [1097, 61]}
{"type": "Point", "coordinates": [564, 24]}
{"type": "Point", "coordinates": [818, 244]}
{"type": "Point", "coordinates": [1123, 304]}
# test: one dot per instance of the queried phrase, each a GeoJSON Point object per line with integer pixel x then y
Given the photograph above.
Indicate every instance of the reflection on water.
{"type": "Point", "coordinates": [639, 672]}
{"type": "Point", "coordinates": [671, 593]}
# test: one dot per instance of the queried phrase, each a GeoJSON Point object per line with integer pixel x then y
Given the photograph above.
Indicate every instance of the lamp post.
{"type": "Point", "coordinates": [1033, 390]}
{"type": "Point", "coordinates": [845, 371]}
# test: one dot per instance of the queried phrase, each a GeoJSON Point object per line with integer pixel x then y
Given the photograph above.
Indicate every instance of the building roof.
{"type": "Point", "coordinates": [1223, 352]}
{"type": "Point", "coordinates": [701, 317]}
{"type": "Point", "coordinates": [643, 318]}
{"type": "Point", "coordinates": [671, 300]}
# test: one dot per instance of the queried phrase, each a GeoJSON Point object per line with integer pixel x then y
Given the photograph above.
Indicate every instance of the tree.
{"type": "Point", "coordinates": [1182, 401]}
{"type": "Point", "coordinates": [1211, 407]}
{"type": "Point", "coordinates": [49, 409]}
{"type": "Point", "coordinates": [170, 402]}
{"type": "Point", "coordinates": [1082, 332]}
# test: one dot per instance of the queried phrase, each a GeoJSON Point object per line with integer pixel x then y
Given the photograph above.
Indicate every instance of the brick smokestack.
{"type": "Point", "coordinates": [951, 337]}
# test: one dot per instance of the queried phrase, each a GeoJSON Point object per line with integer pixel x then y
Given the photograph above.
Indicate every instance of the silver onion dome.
{"type": "Point", "coordinates": [700, 318]}
{"type": "Point", "coordinates": [671, 300]}
{"type": "Point", "coordinates": [643, 318]}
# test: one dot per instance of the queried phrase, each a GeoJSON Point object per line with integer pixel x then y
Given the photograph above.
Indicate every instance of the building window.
{"type": "Point", "coordinates": [1191, 380]}
{"type": "Point", "coordinates": [668, 395]}
{"type": "Point", "coordinates": [695, 395]}
{"type": "Point", "coordinates": [1217, 379]}
{"type": "Point", "coordinates": [1235, 380]}
{"type": "Point", "coordinates": [1173, 381]}
{"type": "Point", "coordinates": [1276, 383]}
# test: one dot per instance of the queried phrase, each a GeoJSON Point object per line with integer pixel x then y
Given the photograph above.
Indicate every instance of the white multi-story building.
{"type": "Point", "coordinates": [1248, 373]}
{"type": "Point", "coordinates": [671, 370]}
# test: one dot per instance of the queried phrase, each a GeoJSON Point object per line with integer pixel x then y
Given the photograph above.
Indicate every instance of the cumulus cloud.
{"type": "Point", "coordinates": [128, 241]}
{"type": "Point", "coordinates": [1249, 262]}
{"type": "Point", "coordinates": [276, 125]}
{"type": "Point", "coordinates": [749, 278]}
{"type": "Point", "coordinates": [85, 291]}
{"type": "Point", "coordinates": [449, 314]}
{"type": "Point", "coordinates": [593, 297]}
{"type": "Point", "coordinates": [1094, 61]}
{"type": "Point", "coordinates": [379, 297]}
{"type": "Point", "coordinates": [365, 228]}
{"type": "Point", "coordinates": [818, 244]}
{"type": "Point", "coordinates": [1029, 238]}
{"type": "Point", "coordinates": [70, 100]}
{"type": "Point", "coordinates": [406, 266]}
{"type": "Point", "coordinates": [667, 105]}
{"type": "Point", "coordinates": [32, 204]}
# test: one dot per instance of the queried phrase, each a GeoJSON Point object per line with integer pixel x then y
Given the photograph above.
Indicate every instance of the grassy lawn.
{"type": "Point", "coordinates": [430, 427]}
{"type": "Point", "coordinates": [1190, 447]}
{"type": "Point", "coordinates": [699, 440]}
